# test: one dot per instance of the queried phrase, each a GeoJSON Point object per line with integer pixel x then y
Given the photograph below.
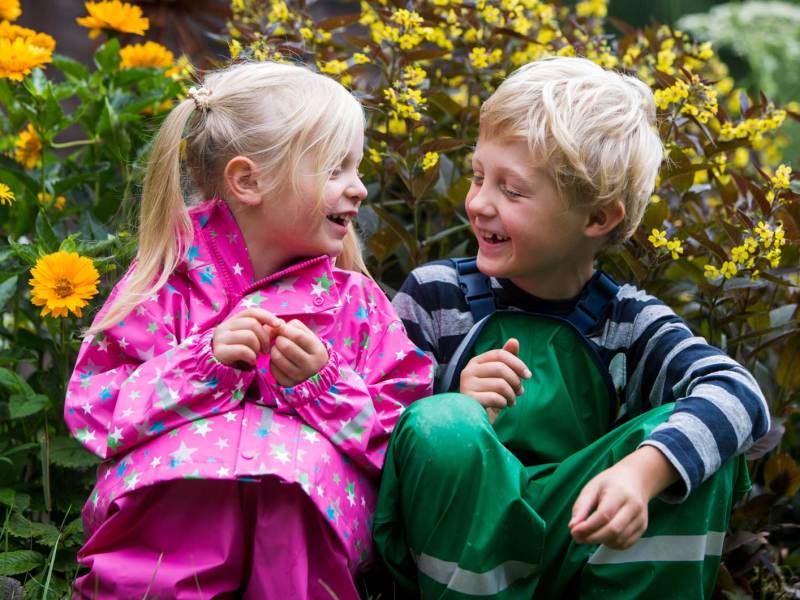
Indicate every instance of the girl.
{"type": "Point", "coordinates": [241, 388]}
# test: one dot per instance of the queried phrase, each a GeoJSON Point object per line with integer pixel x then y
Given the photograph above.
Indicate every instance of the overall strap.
{"type": "Point", "coordinates": [480, 298]}
{"type": "Point", "coordinates": [589, 309]}
{"type": "Point", "coordinates": [476, 287]}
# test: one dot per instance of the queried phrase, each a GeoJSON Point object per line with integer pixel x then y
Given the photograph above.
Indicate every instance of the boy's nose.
{"type": "Point", "coordinates": [481, 203]}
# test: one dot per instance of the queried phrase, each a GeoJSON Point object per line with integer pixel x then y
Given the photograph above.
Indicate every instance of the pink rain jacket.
{"type": "Point", "coordinates": [148, 395]}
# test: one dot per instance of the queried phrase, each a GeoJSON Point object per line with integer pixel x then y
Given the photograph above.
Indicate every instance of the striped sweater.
{"type": "Point", "coordinates": [651, 355]}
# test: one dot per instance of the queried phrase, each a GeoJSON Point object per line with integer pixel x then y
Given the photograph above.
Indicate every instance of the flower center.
{"type": "Point", "coordinates": [63, 287]}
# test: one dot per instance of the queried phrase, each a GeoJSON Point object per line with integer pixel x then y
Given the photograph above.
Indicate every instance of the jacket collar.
{"type": "Point", "coordinates": [307, 286]}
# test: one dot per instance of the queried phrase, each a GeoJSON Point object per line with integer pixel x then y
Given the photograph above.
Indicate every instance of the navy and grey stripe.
{"type": "Point", "coordinates": [649, 350]}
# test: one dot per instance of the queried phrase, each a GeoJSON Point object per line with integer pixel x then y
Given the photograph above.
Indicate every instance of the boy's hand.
{"type": "Point", "coordinates": [297, 353]}
{"type": "Point", "coordinates": [494, 378]}
{"type": "Point", "coordinates": [612, 508]}
{"type": "Point", "coordinates": [238, 339]}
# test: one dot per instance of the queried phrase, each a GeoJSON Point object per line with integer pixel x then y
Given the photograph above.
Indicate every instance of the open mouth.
{"type": "Point", "coordinates": [341, 219]}
{"type": "Point", "coordinates": [493, 238]}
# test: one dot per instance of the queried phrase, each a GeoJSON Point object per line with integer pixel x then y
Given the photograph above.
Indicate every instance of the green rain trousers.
{"type": "Point", "coordinates": [467, 509]}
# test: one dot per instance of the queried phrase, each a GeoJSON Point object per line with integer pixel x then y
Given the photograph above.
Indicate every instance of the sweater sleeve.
{"type": "Point", "coordinates": [719, 408]}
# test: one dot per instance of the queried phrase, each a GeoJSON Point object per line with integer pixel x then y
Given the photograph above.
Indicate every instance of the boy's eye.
{"type": "Point", "coordinates": [511, 193]}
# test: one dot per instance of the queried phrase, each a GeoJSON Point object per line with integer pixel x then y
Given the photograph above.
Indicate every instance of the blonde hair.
{"type": "Point", "coordinates": [592, 131]}
{"type": "Point", "coordinates": [275, 114]}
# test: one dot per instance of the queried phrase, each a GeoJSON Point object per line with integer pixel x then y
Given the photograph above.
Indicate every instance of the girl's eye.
{"type": "Point", "coordinates": [336, 172]}
{"type": "Point", "coordinates": [476, 179]}
{"type": "Point", "coordinates": [512, 194]}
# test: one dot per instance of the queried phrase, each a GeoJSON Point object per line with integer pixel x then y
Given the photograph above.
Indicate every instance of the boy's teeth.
{"type": "Point", "coordinates": [495, 238]}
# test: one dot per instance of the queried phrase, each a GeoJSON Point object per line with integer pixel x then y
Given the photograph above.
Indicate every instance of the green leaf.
{"type": "Point", "coordinates": [107, 56]}
{"type": "Point", "coordinates": [14, 499]}
{"type": "Point", "coordinates": [45, 234]}
{"type": "Point", "coordinates": [44, 533]}
{"type": "Point", "coordinates": [71, 68]}
{"type": "Point", "coordinates": [17, 562]}
{"type": "Point", "coordinates": [66, 452]}
{"type": "Point", "coordinates": [25, 252]}
{"type": "Point", "coordinates": [7, 289]}
{"type": "Point", "coordinates": [23, 406]}
{"type": "Point", "coordinates": [14, 383]}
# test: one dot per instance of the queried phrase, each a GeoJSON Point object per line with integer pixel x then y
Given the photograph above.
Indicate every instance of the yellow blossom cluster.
{"type": "Point", "coordinates": [149, 54]}
{"type": "Point", "coordinates": [658, 239]}
{"type": "Point", "coordinates": [22, 50]}
{"type": "Point", "coordinates": [481, 59]}
{"type": "Point", "coordinates": [405, 102]}
{"type": "Point", "coordinates": [764, 242]}
{"type": "Point", "coordinates": [753, 128]}
{"type": "Point", "coordinates": [430, 160]}
{"type": "Point", "coordinates": [47, 200]}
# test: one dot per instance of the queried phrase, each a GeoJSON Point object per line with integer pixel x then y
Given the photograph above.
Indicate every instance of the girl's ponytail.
{"type": "Point", "coordinates": [164, 225]}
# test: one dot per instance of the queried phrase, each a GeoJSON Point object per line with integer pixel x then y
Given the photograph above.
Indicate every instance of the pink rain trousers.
{"type": "Point", "coordinates": [215, 539]}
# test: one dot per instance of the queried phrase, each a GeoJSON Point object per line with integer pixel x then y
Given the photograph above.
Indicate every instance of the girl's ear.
{"type": "Point", "coordinates": [601, 221]}
{"type": "Point", "coordinates": [241, 181]}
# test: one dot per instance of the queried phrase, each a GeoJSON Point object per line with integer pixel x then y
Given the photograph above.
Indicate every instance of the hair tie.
{"type": "Point", "coordinates": [201, 96]}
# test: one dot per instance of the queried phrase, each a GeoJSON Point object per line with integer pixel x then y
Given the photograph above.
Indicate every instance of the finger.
{"type": "Point", "coordinates": [264, 317]}
{"type": "Point", "coordinates": [281, 376]}
{"type": "Point", "coordinates": [607, 510]}
{"type": "Point", "coordinates": [512, 346]}
{"type": "Point", "coordinates": [585, 503]}
{"type": "Point", "coordinates": [490, 400]}
{"type": "Point", "coordinates": [301, 335]}
{"type": "Point", "coordinates": [235, 354]}
{"type": "Point", "coordinates": [243, 337]}
{"type": "Point", "coordinates": [261, 331]}
{"type": "Point", "coordinates": [492, 413]}
{"type": "Point", "coordinates": [630, 535]}
{"type": "Point", "coordinates": [498, 370]}
{"type": "Point", "coordinates": [613, 532]}
{"type": "Point", "coordinates": [289, 367]}
{"type": "Point", "coordinates": [496, 386]}
{"type": "Point", "coordinates": [505, 357]}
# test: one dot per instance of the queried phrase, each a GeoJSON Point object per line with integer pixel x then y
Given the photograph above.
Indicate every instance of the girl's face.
{"type": "Point", "coordinates": [300, 228]}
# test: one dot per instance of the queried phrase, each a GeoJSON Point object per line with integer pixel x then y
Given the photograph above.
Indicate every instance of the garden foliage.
{"type": "Point", "coordinates": [719, 240]}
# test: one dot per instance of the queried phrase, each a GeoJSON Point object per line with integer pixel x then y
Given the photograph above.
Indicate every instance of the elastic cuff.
{"type": "Point", "coordinates": [311, 388]}
{"type": "Point", "coordinates": [217, 373]}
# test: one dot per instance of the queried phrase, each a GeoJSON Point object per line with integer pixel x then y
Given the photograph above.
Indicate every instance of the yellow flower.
{"type": "Point", "coordinates": [657, 238]}
{"type": "Point", "coordinates": [781, 178]}
{"type": "Point", "coordinates": [729, 269]}
{"type": "Point", "coordinates": [47, 201]}
{"type": "Point", "coordinates": [360, 58]}
{"type": "Point", "coordinates": [374, 156]}
{"type": "Point", "coordinates": [116, 15]}
{"type": "Point", "coordinates": [591, 8]}
{"type": "Point", "coordinates": [63, 282]}
{"type": "Point", "coordinates": [235, 48]}
{"type": "Point", "coordinates": [12, 32]}
{"type": "Point", "coordinates": [28, 148]}
{"type": "Point", "coordinates": [675, 248]}
{"type": "Point", "coordinates": [149, 54]}
{"type": "Point", "coordinates": [397, 127]}
{"type": "Point", "coordinates": [333, 67]}
{"type": "Point", "coordinates": [9, 9]}
{"type": "Point", "coordinates": [6, 195]}
{"type": "Point", "coordinates": [711, 272]}
{"type": "Point", "coordinates": [430, 160]}
{"type": "Point", "coordinates": [18, 59]}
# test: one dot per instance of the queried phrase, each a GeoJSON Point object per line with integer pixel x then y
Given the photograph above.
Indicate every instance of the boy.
{"type": "Point", "coordinates": [551, 494]}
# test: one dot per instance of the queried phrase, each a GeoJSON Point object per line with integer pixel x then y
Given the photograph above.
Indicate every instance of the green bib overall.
{"type": "Point", "coordinates": [467, 509]}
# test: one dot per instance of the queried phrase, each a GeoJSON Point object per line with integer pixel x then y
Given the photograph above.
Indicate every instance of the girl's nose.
{"type": "Point", "coordinates": [356, 190]}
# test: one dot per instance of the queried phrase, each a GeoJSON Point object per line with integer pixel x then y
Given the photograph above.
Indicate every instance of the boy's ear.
{"type": "Point", "coordinates": [241, 180]}
{"type": "Point", "coordinates": [603, 220]}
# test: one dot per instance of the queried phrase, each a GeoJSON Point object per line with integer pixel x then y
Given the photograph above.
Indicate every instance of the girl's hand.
{"type": "Point", "coordinates": [612, 508]}
{"type": "Point", "coordinates": [494, 378]}
{"type": "Point", "coordinates": [297, 354]}
{"type": "Point", "coordinates": [238, 339]}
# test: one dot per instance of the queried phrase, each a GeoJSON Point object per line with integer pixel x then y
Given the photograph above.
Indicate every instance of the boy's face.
{"type": "Point", "coordinates": [525, 231]}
